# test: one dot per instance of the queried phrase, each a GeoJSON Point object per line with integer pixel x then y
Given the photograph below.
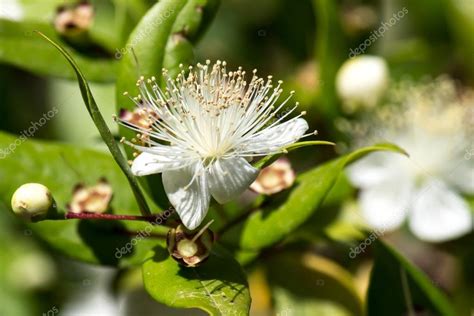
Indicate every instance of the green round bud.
{"type": "Point", "coordinates": [32, 201]}
{"type": "Point", "coordinates": [187, 248]}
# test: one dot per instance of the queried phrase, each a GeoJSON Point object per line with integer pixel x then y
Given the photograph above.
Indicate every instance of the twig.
{"type": "Point", "coordinates": [154, 219]}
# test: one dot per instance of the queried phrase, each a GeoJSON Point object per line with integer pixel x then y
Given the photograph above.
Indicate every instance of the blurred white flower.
{"type": "Point", "coordinates": [207, 126]}
{"type": "Point", "coordinates": [11, 10]}
{"type": "Point", "coordinates": [435, 127]}
{"type": "Point", "coordinates": [32, 270]}
{"type": "Point", "coordinates": [361, 81]}
{"type": "Point", "coordinates": [91, 295]}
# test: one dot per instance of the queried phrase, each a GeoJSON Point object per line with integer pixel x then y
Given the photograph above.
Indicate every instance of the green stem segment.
{"type": "Point", "coordinates": [104, 131]}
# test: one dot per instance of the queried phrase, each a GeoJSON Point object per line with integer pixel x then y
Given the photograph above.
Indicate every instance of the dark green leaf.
{"type": "Point", "coordinates": [397, 288]}
{"type": "Point", "coordinates": [318, 286]}
{"type": "Point", "coordinates": [20, 47]}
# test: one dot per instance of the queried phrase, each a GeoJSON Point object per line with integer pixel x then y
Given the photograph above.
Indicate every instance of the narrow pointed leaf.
{"type": "Point", "coordinates": [268, 160]}
{"type": "Point", "coordinates": [103, 128]}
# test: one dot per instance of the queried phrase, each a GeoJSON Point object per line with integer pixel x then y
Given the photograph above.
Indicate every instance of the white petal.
{"type": "Point", "coordinates": [274, 138]}
{"type": "Point", "coordinates": [228, 178]}
{"type": "Point", "coordinates": [374, 169]}
{"type": "Point", "coordinates": [439, 213]}
{"type": "Point", "coordinates": [190, 199]}
{"type": "Point", "coordinates": [166, 158]}
{"type": "Point", "coordinates": [385, 206]}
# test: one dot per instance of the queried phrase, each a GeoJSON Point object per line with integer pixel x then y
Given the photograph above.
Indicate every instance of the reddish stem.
{"type": "Point", "coordinates": [147, 218]}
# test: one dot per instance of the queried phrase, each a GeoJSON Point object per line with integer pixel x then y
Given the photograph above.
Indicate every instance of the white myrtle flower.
{"type": "Point", "coordinates": [361, 82]}
{"type": "Point", "coordinates": [207, 126]}
{"type": "Point", "coordinates": [435, 127]}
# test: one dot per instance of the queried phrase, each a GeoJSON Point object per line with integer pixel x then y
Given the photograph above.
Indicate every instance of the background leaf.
{"type": "Point", "coordinates": [20, 47]}
{"type": "Point", "coordinates": [395, 283]}
{"type": "Point", "coordinates": [318, 286]}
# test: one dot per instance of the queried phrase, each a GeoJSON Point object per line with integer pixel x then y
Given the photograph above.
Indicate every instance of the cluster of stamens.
{"type": "Point", "coordinates": [205, 111]}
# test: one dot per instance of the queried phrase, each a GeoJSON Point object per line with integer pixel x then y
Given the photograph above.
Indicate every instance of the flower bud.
{"type": "Point", "coordinates": [32, 201]}
{"type": "Point", "coordinates": [74, 20]}
{"type": "Point", "coordinates": [140, 117]}
{"type": "Point", "coordinates": [274, 178]}
{"type": "Point", "coordinates": [362, 81]}
{"type": "Point", "coordinates": [93, 199]}
{"type": "Point", "coordinates": [187, 248]}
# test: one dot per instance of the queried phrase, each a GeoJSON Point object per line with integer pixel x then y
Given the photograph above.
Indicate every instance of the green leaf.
{"type": "Point", "coordinates": [19, 47]}
{"type": "Point", "coordinates": [268, 160]}
{"type": "Point", "coordinates": [146, 45]}
{"type": "Point", "coordinates": [60, 167]}
{"type": "Point", "coordinates": [103, 129]}
{"type": "Point", "coordinates": [218, 286]}
{"type": "Point", "coordinates": [318, 286]}
{"type": "Point", "coordinates": [163, 38]}
{"type": "Point", "coordinates": [128, 15]}
{"type": "Point", "coordinates": [398, 287]}
{"type": "Point", "coordinates": [188, 28]}
{"type": "Point", "coordinates": [273, 222]}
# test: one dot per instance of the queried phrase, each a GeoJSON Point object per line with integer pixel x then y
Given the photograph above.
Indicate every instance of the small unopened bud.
{"type": "Point", "coordinates": [33, 202]}
{"type": "Point", "coordinates": [362, 81]}
{"type": "Point", "coordinates": [358, 19]}
{"type": "Point", "coordinates": [274, 178]}
{"type": "Point", "coordinates": [75, 19]}
{"type": "Point", "coordinates": [189, 248]}
{"type": "Point", "coordinates": [139, 118]}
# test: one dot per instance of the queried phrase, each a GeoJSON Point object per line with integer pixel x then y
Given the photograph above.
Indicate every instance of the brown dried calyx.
{"type": "Point", "coordinates": [187, 248]}
{"type": "Point", "coordinates": [93, 199]}
{"type": "Point", "coordinates": [74, 19]}
{"type": "Point", "coordinates": [274, 178]}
